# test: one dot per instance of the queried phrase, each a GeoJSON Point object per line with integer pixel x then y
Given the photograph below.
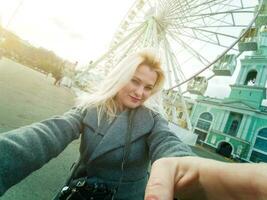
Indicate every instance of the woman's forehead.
{"type": "Point", "coordinates": [146, 74]}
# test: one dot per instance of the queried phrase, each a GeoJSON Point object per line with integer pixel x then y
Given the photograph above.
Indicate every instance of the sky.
{"type": "Point", "coordinates": [78, 30]}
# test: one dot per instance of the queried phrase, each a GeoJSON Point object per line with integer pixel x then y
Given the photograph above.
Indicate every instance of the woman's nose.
{"type": "Point", "coordinates": [139, 91]}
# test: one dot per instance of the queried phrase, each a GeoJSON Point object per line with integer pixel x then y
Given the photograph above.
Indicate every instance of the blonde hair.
{"type": "Point", "coordinates": [103, 96]}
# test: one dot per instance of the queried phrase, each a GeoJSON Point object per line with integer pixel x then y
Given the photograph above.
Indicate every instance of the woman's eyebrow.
{"type": "Point", "coordinates": [138, 79]}
{"type": "Point", "coordinates": [135, 77]}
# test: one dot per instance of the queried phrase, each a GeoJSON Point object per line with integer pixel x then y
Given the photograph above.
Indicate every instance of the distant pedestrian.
{"type": "Point", "coordinates": [57, 79]}
{"type": "Point", "coordinates": [58, 75]}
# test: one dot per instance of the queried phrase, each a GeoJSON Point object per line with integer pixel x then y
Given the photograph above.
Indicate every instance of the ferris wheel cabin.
{"type": "Point", "coordinates": [249, 41]}
{"type": "Point", "coordinates": [225, 66]}
{"type": "Point", "coordinates": [197, 85]}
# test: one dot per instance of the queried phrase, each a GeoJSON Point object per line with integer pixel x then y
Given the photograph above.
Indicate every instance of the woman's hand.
{"type": "Point", "coordinates": [205, 179]}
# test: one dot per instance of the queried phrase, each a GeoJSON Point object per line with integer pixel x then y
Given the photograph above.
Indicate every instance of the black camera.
{"type": "Point", "coordinates": [80, 189]}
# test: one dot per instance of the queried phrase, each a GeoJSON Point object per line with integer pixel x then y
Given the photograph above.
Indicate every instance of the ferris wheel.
{"type": "Point", "coordinates": [191, 36]}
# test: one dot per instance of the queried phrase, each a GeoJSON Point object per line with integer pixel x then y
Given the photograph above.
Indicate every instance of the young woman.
{"type": "Point", "coordinates": [121, 131]}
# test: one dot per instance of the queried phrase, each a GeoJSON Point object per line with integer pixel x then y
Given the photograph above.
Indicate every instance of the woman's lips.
{"type": "Point", "coordinates": [134, 99]}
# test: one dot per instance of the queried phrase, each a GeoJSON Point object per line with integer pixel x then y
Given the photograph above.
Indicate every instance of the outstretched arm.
{"type": "Point", "coordinates": [205, 179]}
{"type": "Point", "coordinates": [28, 148]}
{"type": "Point", "coordinates": [162, 142]}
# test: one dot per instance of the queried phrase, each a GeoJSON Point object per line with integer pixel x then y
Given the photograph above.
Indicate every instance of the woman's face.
{"type": "Point", "coordinates": [139, 89]}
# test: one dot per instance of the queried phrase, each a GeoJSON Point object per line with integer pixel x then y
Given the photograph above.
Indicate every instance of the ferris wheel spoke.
{"type": "Point", "coordinates": [167, 64]}
{"type": "Point", "coordinates": [214, 26]}
{"type": "Point", "coordinates": [176, 38]}
{"type": "Point", "coordinates": [124, 31]}
{"type": "Point", "coordinates": [219, 37]}
{"type": "Point", "coordinates": [205, 24]}
{"type": "Point", "coordinates": [194, 9]}
{"type": "Point", "coordinates": [178, 73]}
{"type": "Point", "coordinates": [241, 2]}
{"type": "Point", "coordinates": [208, 40]}
{"type": "Point", "coordinates": [235, 11]}
{"type": "Point", "coordinates": [178, 65]}
{"type": "Point", "coordinates": [208, 6]}
{"type": "Point", "coordinates": [176, 8]}
{"type": "Point", "coordinates": [114, 47]}
{"type": "Point", "coordinates": [170, 6]}
{"type": "Point", "coordinates": [129, 47]}
{"type": "Point", "coordinates": [216, 20]}
{"type": "Point", "coordinates": [150, 3]}
{"type": "Point", "coordinates": [134, 25]}
{"type": "Point", "coordinates": [215, 33]}
{"type": "Point", "coordinates": [170, 66]}
{"type": "Point", "coordinates": [184, 20]}
{"type": "Point", "coordinates": [207, 16]}
{"type": "Point", "coordinates": [212, 15]}
{"type": "Point", "coordinates": [163, 5]}
{"type": "Point", "coordinates": [154, 36]}
{"type": "Point", "coordinates": [187, 3]}
{"type": "Point", "coordinates": [199, 57]}
{"type": "Point", "coordinates": [210, 37]}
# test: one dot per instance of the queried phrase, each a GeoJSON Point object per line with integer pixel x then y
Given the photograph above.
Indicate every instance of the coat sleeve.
{"type": "Point", "coordinates": [28, 148]}
{"type": "Point", "coordinates": [164, 143]}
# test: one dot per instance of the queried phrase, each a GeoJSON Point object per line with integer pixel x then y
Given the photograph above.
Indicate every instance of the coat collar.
{"type": "Point", "coordinates": [115, 136]}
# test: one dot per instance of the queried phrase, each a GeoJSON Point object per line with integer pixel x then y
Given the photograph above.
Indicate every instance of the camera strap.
{"type": "Point", "coordinates": [127, 148]}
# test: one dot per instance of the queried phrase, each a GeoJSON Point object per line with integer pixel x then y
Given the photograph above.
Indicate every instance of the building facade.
{"type": "Point", "coordinates": [237, 125]}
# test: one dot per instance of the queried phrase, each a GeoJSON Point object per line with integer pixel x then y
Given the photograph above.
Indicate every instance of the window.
{"type": "Point", "coordinates": [233, 123]}
{"type": "Point", "coordinates": [263, 133]}
{"type": "Point", "coordinates": [258, 157]}
{"type": "Point", "coordinates": [251, 78]}
{"type": "Point", "coordinates": [204, 121]}
{"type": "Point", "coordinates": [201, 136]}
{"type": "Point", "coordinates": [261, 140]}
{"type": "Point", "coordinates": [207, 116]}
{"type": "Point", "coordinates": [203, 125]}
{"type": "Point", "coordinates": [233, 127]}
{"type": "Point", "coordinates": [261, 144]}
{"type": "Point", "coordinates": [259, 153]}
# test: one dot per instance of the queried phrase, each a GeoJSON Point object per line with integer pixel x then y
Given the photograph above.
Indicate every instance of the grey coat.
{"type": "Point", "coordinates": [101, 147]}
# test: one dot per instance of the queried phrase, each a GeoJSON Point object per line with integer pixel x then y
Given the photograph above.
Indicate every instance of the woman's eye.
{"type": "Point", "coordinates": [135, 81]}
{"type": "Point", "coordinates": [148, 88]}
